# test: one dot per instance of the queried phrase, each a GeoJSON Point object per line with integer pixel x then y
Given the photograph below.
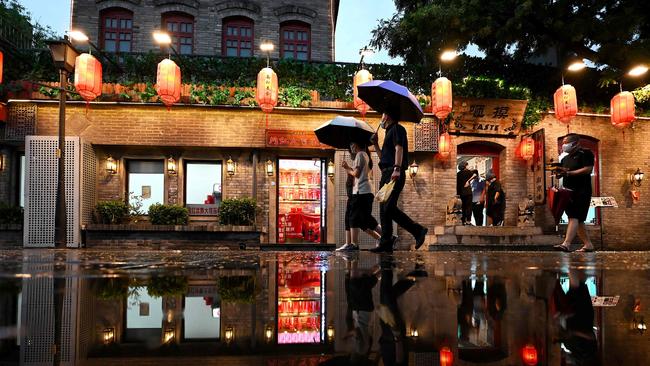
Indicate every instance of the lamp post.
{"type": "Point", "coordinates": [64, 56]}
{"type": "Point", "coordinates": [164, 39]}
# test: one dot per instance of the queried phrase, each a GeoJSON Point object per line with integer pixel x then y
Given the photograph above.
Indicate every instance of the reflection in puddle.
{"type": "Point", "coordinates": [315, 308]}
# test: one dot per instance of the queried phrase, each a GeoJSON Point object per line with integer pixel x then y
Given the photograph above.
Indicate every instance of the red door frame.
{"type": "Point", "coordinates": [478, 148]}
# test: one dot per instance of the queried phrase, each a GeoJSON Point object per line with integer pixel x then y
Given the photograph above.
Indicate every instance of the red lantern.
{"type": "Point", "coordinates": [529, 355]}
{"type": "Point", "coordinates": [441, 97]}
{"type": "Point", "coordinates": [527, 148]}
{"type": "Point", "coordinates": [88, 76]}
{"type": "Point", "coordinates": [566, 103]}
{"type": "Point", "coordinates": [446, 357]}
{"type": "Point", "coordinates": [2, 62]}
{"type": "Point", "coordinates": [444, 145]}
{"type": "Point", "coordinates": [362, 76]}
{"type": "Point", "coordinates": [168, 82]}
{"type": "Point", "coordinates": [266, 93]}
{"type": "Point", "coordinates": [622, 107]}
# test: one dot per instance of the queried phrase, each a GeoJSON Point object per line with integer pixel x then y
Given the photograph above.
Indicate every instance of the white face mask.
{"type": "Point", "coordinates": [567, 148]}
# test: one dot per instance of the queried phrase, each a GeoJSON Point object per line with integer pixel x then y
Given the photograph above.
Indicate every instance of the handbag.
{"type": "Point", "coordinates": [385, 191]}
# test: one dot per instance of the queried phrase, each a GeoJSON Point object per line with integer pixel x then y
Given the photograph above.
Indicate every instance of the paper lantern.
{"type": "Point", "coordinates": [622, 108]}
{"type": "Point", "coordinates": [529, 355]}
{"type": "Point", "coordinates": [446, 357]}
{"type": "Point", "coordinates": [566, 103]}
{"type": "Point", "coordinates": [168, 82]}
{"type": "Point", "coordinates": [362, 76]}
{"type": "Point", "coordinates": [88, 77]}
{"type": "Point", "coordinates": [266, 93]}
{"type": "Point", "coordinates": [444, 144]}
{"type": "Point", "coordinates": [527, 148]}
{"type": "Point", "coordinates": [2, 62]}
{"type": "Point", "coordinates": [441, 97]}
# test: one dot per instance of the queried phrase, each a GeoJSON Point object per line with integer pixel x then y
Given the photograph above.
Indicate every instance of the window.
{"type": "Point", "coordinates": [146, 183]}
{"type": "Point", "coordinates": [116, 30]}
{"type": "Point", "coordinates": [295, 41]}
{"type": "Point", "coordinates": [201, 318]}
{"type": "Point", "coordinates": [237, 39]}
{"type": "Point", "coordinates": [180, 27]}
{"type": "Point", "coordinates": [586, 142]}
{"type": "Point", "coordinates": [203, 182]}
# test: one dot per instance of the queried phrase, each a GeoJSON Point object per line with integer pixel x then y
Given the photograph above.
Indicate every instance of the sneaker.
{"type": "Point", "coordinates": [346, 247]}
{"type": "Point", "coordinates": [395, 240]}
{"type": "Point", "coordinates": [382, 249]}
{"type": "Point", "coordinates": [420, 238]}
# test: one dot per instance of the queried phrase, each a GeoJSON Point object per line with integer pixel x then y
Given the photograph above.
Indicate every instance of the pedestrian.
{"type": "Point", "coordinates": [577, 165]}
{"type": "Point", "coordinates": [464, 190]}
{"type": "Point", "coordinates": [478, 197]}
{"type": "Point", "coordinates": [349, 184]}
{"type": "Point", "coordinates": [360, 217]}
{"type": "Point", "coordinates": [496, 201]}
{"type": "Point", "coordinates": [393, 161]}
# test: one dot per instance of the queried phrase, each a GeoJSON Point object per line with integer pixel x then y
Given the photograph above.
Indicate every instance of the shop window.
{"type": "Point", "coordinates": [203, 180]}
{"type": "Point", "coordinates": [201, 318]}
{"type": "Point", "coordinates": [295, 41]}
{"type": "Point", "coordinates": [586, 142]}
{"type": "Point", "coordinates": [180, 27]}
{"type": "Point", "coordinates": [116, 29]}
{"type": "Point", "coordinates": [146, 183]}
{"type": "Point", "coordinates": [237, 37]}
{"type": "Point", "coordinates": [144, 315]}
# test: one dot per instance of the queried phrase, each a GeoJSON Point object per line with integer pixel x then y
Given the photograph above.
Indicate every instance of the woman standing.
{"type": "Point", "coordinates": [496, 201]}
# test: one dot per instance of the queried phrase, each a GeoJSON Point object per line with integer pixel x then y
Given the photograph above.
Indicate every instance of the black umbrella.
{"type": "Point", "coordinates": [340, 131]}
{"type": "Point", "coordinates": [392, 98]}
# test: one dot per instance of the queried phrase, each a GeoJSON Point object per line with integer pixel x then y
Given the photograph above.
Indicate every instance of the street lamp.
{"type": "Point", "coordinates": [164, 39]}
{"type": "Point", "coordinates": [448, 55]}
{"type": "Point", "coordinates": [365, 52]}
{"type": "Point", "coordinates": [267, 47]}
{"type": "Point", "coordinates": [81, 37]}
{"type": "Point", "coordinates": [64, 56]}
{"type": "Point", "coordinates": [576, 65]}
{"type": "Point", "coordinates": [638, 70]}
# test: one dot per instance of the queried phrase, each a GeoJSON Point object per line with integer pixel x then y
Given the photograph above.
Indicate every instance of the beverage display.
{"type": "Point", "coordinates": [299, 304]}
{"type": "Point", "coordinates": [299, 201]}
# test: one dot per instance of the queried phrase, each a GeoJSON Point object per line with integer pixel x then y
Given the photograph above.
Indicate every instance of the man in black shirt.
{"type": "Point", "coordinates": [464, 190]}
{"type": "Point", "coordinates": [393, 162]}
{"type": "Point", "coordinates": [577, 167]}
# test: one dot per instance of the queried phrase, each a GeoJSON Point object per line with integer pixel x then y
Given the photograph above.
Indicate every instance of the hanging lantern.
{"type": "Point", "coordinates": [266, 93]}
{"type": "Point", "coordinates": [168, 82]}
{"type": "Point", "coordinates": [444, 145]}
{"type": "Point", "coordinates": [362, 76]}
{"type": "Point", "coordinates": [527, 148]}
{"type": "Point", "coordinates": [88, 77]}
{"type": "Point", "coordinates": [566, 103]}
{"type": "Point", "coordinates": [529, 355]}
{"type": "Point", "coordinates": [622, 108]}
{"type": "Point", "coordinates": [446, 357]}
{"type": "Point", "coordinates": [441, 98]}
{"type": "Point", "coordinates": [2, 62]}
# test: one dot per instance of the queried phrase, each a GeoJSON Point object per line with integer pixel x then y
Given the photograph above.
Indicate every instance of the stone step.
{"type": "Point", "coordinates": [488, 230]}
{"type": "Point", "coordinates": [489, 240]}
{"type": "Point", "coordinates": [491, 248]}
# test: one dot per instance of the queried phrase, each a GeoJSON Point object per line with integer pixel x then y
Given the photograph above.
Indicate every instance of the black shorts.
{"type": "Point", "coordinates": [578, 208]}
{"type": "Point", "coordinates": [348, 212]}
{"type": "Point", "coordinates": [361, 216]}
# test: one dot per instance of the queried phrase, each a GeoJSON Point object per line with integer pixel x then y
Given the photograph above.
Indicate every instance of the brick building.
{"type": "Point", "coordinates": [300, 29]}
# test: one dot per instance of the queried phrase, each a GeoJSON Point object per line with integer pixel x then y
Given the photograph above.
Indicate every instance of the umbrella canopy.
{"type": "Point", "coordinates": [392, 98]}
{"type": "Point", "coordinates": [340, 131]}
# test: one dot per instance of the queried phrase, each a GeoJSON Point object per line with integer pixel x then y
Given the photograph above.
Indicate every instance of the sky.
{"type": "Point", "coordinates": [357, 19]}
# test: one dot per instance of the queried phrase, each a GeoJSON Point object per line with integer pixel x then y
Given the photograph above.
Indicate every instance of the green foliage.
{"type": "Point", "coordinates": [211, 94]}
{"type": "Point", "coordinates": [160, 286]}
{"type": "Point", "coordinates": [10, 214]}
{"type": "Point", "coordinates": [240, 95]}
{"type": "Point", "coordinates": [149, 94]}
{"type": "Point", "coordinates": [237, 211]}
{"type": "Point", "coordinates": [642, 95]}
{"type": "Point", "coordinates": [236, 289]}
{"type": "Point", "coordinates": [112, 212]}
{"type": "Point", "coordinates": [294, 96]}
{"type": "Point", "coordinates": [135, 205]}
{"type": "Point", "coordinates": [160, 214]}
{"type": "Point", "coordinates": [112, 288]}
{"type": "Point", "coordinates": [535, 111]}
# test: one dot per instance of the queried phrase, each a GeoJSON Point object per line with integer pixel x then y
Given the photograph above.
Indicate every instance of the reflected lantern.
{"type": "Point", "coordinates": [566, 103]}
{"type": "Point", "coordinates": [527, 148]}
{"type": "Point", "coordinates": [362, 76]}
{"type": "Point", "coordinates": [622, 108]}
{"type": "Point", "coordinates": [444, 144]}
{"type": "Point", "coordinates": [266, 93]}
{"type": "Point", "coordinates": [446, 357]}
{"type": "Point", "coordinates": [88, 76]}
{"type": "Point", "coordinates": [529, 355]}
{"type": "Point", "coordinates": [2, 63]}
{"type": "Point", "coordinates": [168, 82]}
{"type": "Point", "coordinates": [441, 97]}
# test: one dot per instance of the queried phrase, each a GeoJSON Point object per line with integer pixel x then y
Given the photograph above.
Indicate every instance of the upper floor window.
{"type": "Point", "coordinates": [237, 39]}
{"type": "Point", "coordinates": [180, 27]}
{"type": "Point", "coordinates": [295, 40]}
{"type": "Point", "coordinates": [116, 30]}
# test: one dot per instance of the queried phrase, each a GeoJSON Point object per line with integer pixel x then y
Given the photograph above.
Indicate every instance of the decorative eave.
{"type": "Point", "coordinates": [246, 6]}
{"type": "Point", "coordinates": [285, 10]}
{"type": "Point", "coordinates": [190, 3]}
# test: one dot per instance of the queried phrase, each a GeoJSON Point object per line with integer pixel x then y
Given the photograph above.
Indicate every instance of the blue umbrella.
{"type": "Point", "coordinates": [389, 97]}
{"type": "Point", "coordinates": [340, 131]}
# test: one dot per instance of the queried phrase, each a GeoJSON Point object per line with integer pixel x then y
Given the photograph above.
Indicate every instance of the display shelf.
{"type": "Point", "coordinates": [289, 298]}
{"type": "Point", "coordinates": [299, 201]}
{"type": "Point", "coordinates": [294, 315]}
{"type": "Point", "coordinates": [300, 185]}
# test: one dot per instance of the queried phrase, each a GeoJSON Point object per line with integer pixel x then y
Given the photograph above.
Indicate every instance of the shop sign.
{"type": "Point", "coordinates": [605, 301]}
{"type": "Point", "coordinates": [201, 290]}
{"type": "Point", "coordinates": [203, 210]}
{"type": "Point", "coordinates": [293, 139]}
{"type": "Point", "coordinates": [488, 116]}
{"type": "Point", "coordinates": [603, 202]}
{"type": "Point", "coordinates": [538, 167]}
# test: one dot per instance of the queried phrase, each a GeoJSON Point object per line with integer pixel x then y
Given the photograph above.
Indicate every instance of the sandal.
{"type": "Point", "coordinates": [586, 250]}
{"type": "Point", "coordinates": [561, 248]}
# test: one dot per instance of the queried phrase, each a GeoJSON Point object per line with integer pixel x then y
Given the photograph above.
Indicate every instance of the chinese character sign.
{"type": "Point", "coordinates": [488, 116]}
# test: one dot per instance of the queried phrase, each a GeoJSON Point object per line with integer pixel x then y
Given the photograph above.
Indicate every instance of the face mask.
{"type": "Point", "coordinates": [568, 147]}
{"type": "Point", "coordinates": [382, 124]}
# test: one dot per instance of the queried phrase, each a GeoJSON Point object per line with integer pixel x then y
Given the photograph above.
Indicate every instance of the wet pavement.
{"type": "Point", "coordinates": [313, 308]}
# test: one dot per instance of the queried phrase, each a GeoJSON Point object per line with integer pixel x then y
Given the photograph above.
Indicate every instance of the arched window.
{"type": "Point", "coordinates": [237, 37]}
{"type": "Point", "coordinates": [295, 40]}
{"type": "Point", "coordinates": [116, 30]}
{"type": "Point", "coordinates": [180, 27]}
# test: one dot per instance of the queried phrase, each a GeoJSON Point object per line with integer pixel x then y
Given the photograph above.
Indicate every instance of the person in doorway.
{"type": "Point", "coordinates": [478, 197]}
{"type": "Point", "coordinates": [576, 170]}
{"type": "Point", "coordinates": [496, 201]}
{"type": "Point", "coordinates": [360, 217]}
{"type": "Point", "coordinates": [464, 190]}
{"type": "Point", "coordinates": [393, 161]}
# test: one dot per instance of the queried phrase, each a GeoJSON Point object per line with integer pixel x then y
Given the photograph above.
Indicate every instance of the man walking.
{"type": "Point", "coordinates": [393, 162]}
{"type": "Point", "coordinates": [464, 190]}
{"type": "Point", "coordinates": [478, 197]}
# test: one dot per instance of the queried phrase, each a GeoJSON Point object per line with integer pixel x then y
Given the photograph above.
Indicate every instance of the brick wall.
{"type": "Point", "coordinates": [208, 20]}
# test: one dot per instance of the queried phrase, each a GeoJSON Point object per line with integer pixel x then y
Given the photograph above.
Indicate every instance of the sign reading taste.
{"type": "Point", "coordinates": [488, 116]}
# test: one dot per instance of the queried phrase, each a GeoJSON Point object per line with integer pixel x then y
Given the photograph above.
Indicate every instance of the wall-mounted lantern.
{"type": "Point", "coordinates": [111, 165]}
{"type": "Point", "coordinates": [330, 333]}
{"type": "Point", "coordinates": [168, 336]}
{"type": "Point", "coordinates": [171, 166]}
{"type": "Point", "coordinates": [229, 334]}
{"type": "Point", "coordinates": [413, 169]}
{"type": "Point", "coordinates": [2, 162]}
{"type": "Point", "coordinates": [637, 178]}
{"type": "Point", "coordinates": [108, 335]}
{"type": "Point", "coordinates": [330, 169]}
{"type": "Point", "coordinates": [269, 168]}
{"type": "Point", "coordinates": [230, 167]}
{"type": "Point", "coordinates": [268, 333]}
{"type": "Point", "coordinates": [639, 325]}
